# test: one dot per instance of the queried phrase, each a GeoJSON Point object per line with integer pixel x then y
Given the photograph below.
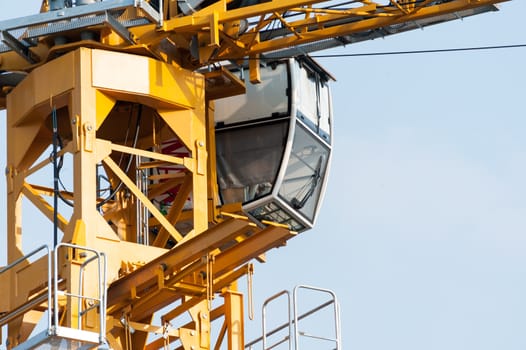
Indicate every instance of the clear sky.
{"type": "Point", "coordinates": [422, 233]}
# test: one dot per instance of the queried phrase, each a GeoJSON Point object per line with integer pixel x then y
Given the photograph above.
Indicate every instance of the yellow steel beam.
{"type": "Point", "coordinates": [219, 283]}
{"type": "Point", "coordinates": [160, 188]}
{"type": "Point", "coordinates": [225, 262]}
{"type": "Point", "coordinates": [217, 23]}
{"type": "Point", "coordinates": [234, 319]}
{"type": "Point", "coordinates": [177, 258]}
{"type": "Point", "coordinates": [167, 225]}
{"type": "Point", "coordinates": [143, 327]}
{"type": "Point", "coordinates": [250, 248]}
{"type": "Point", "coordinates": [175, 210]}
{"type": "Point", "coordinates": [46, 162]}
{"type": "Point", "coordinates": [379, 21]}
{"type": "Point", "coordinates": [41, 204]}
{"type": "Point", "coordinates": [174, 289]}
{"type": "Point", "coordinates": [371, 15]}
{"type": "Point", "coordinates": [153, 155]}
{"type": "Point", "coordinates": [201, 19]}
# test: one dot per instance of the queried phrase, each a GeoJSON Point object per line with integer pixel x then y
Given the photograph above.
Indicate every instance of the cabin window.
{"type": "Point", "coordinates": [301, 186]}
{"type": "Point", "coordinates": [248, 160]}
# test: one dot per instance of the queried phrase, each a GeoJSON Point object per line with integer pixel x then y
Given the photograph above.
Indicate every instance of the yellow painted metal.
{"type": "Point", "coordinates": [174, 213]}
{"type": "Point", "coordinates": [214, 26]}
{"type": "Point", "coordinates": [175, 260]}
{"type": "Point", "coordinates": [234, 320]}
{"type": "Point", "coordinates": [223, 83]}
{"type": "Point", "coordinates": [85, 102]}
{"type": "Point", "coordinates": [255, 73]}
{"type": "Point", "coordinates": [197, 250]}
{"type": "Point", "coordinates": [144, 327]}
{"type": "Point", "coordinates": [137, 192]}
{"type": "Point", "coordinates": [152, 155]}
{"type": "Point", "coordinates": [40, 203]}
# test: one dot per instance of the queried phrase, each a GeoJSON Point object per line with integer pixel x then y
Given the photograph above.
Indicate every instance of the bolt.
{"type": "Point", "coordinates": [89, 127]}
{"type": "Point", "coordinates": [201, 143]}
{"type": "Point", "coordinates": [74, 121]}
{"type": "Point", "coordinates": [203, 316]}
{"type": "Point", "coordinates": [192, 333]}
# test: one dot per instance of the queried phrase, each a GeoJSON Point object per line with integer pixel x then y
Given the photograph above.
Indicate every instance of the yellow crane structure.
{"type": "Point", "coordinates": [73, 78]}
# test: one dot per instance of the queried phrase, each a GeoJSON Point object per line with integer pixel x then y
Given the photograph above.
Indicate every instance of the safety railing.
{"type": "Point", "coordinates": [336, 317]}
{"type": "Point", "coordinates": [33, 303]}
{"type": "Point", "coordinates": [288, 325]}
{"type": "Point", "coordinates": [293, 323]}
{"type": "Point", "coordinates": [55, 334]}
{"type": "Point", "coordinates": [93, 302]}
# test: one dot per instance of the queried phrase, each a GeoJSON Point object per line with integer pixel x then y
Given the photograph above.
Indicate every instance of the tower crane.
{"type": "Point", "coordinates": [198, 134]}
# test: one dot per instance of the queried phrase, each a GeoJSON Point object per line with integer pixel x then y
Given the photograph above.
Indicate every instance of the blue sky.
{"type": "Point", "coordinates": [422, 233]}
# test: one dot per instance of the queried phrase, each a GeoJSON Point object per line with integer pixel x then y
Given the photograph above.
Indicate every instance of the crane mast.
{"type": "Point", "coordinates": [122, 92]}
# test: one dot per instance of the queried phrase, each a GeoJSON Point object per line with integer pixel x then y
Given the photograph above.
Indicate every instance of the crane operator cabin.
{"type": "Point", "coordinates": [274, 143]}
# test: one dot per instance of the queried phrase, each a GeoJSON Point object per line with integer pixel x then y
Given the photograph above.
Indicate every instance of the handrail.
{"type": "Point", "coordinates": [102, 267]}
{"type": "Point", "coordinates": [300, 317]}
{"type": "Point", "coordinates": [295, 321]}
{"type": "Point", "coordinates": [81, 280]}
{"type": "Point", "coordinates": [289, 337]}
{"type": "Point", "coordinates": [52, 292]}
{"type": "Point", "coordinates": [23, 259]}
{"type": "Point", "coordinates": [334, 300]}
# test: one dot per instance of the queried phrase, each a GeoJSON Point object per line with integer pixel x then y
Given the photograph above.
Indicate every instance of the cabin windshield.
{"type": "Point", "coordinates": [302, 184]}
{"type": "Point", "coordinates": [248, 160]}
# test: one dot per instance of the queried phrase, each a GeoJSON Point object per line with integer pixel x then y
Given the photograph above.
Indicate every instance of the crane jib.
{"type": "Point", "coordinates": [212, 31]}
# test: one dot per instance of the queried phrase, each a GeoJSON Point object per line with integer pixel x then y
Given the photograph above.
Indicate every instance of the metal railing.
{"type": "Point", "coordinates": [93, 302]}
{"type": "Point", "coordinates": [52, 290]}
{"type": "Point", "coordinates": [333, 301]}
{"type": "Point", "coordinates": [28, 306]}
{"type": "Point", "coordinates": [293, 323]}
{"type": "Point", "coordinates": [288, 324]}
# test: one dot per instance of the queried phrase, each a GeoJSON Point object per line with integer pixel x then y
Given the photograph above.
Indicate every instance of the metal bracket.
{"type": "Point", "coordinates": [118, 28]}
{"type": "Point", "coordinates": [18, 47]}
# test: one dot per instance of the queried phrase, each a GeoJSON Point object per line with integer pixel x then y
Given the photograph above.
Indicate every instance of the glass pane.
{"type": "Point", "coordinates": [306, 169]}
{"type": "Point", "coordinates": [325, 112]}
{"type": "Point", "coordinates": [248, 160]}
{"type": "Point", "coordinates": [273, 212]}
{"type": "Point", "coordinates": [314, 101]}
{"type": "Point", "coordinates": [264, 100]}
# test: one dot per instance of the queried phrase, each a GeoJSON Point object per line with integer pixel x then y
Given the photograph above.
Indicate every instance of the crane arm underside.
{"type": "Point", "coordinates": [307, 26]}
{"type": "Point", "coordinates": [277, 28]}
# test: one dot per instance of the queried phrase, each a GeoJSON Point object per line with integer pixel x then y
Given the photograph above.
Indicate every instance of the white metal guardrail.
{"type": "Point", "coordinates": [293, 324]}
